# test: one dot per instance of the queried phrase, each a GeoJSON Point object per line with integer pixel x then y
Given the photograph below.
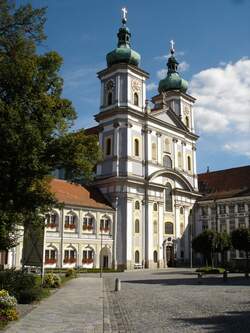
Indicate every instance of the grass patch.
{"type": "Point", "coordinates": [210, 270]}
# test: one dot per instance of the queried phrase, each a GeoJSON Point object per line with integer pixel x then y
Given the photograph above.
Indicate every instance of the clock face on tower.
{"type": "Point", "coordinates": [136, 85]}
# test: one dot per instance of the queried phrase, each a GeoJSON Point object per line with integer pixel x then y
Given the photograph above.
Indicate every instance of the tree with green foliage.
{"type": "Point", "coordinates": [222, 244]}
{"type": "Point", "coordinates": [241, 241]}
{"type": "Point", "coordinates": [35, 123]}
{"type": "Point", "coordinates": [204, 243]}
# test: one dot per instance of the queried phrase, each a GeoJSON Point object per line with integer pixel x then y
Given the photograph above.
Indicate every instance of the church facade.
{"type": "Point", "coordinates": [149, 168]}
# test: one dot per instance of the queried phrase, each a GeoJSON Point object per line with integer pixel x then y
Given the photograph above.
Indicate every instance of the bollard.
{"type": "Point", "coordinates": [199, 277]}
{"type": "Point", "coordinates": [225, 275]}
{"type": "Point", "coordinates": [117, 284]}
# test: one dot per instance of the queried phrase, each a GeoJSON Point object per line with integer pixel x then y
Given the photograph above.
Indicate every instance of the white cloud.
{"type": "Point", "coordinates": [152, 86]}
{"type": "Point", "coordinates": [223, 104]}
{"type": "Point", "coordinates": [183, 66]}
{"type": "Point", "coordinates": [162, 73]}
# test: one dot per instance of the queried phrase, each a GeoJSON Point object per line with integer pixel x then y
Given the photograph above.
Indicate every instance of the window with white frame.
{"type": "Point", "coordinates": [167, 161]}
{"type": "Point", "coordinates": [50, 256]}
{"type": "Point", "coordinates": [155, 256]}
{"type": "Point", "coordinates": [105, 224]}
{"type": "Point", "coordinates": [87, 256]}
{"type": "Point", "coordinates": [88, 223]}
{"type": "Point", "coordinates": [51, 220]}
{"type": "Point", "coordinates": [137, 257]}
{"type": "Point", "coordinates": [189, 164]}
{"type": "Point", "coordinates": [155, 207]}
{"type": "Point", "coordinates": [169, 228]}
{"type": "Point", "coordinates": [168, 198]}
{"type": "Point", "coordinates": [137, 205]}
{"type": "Point", "coordinates": [108, 147]}
{"type": "Point", "coordinates": [69, 256]}
{"type": "Point", "coordinates": [179, 156]}
{"type": "Point", "coordinates": [136, 147]}
{"type": "Point", "coordinates": [70, 221]}
{"type": "Point", "coordinates": [137, 226]}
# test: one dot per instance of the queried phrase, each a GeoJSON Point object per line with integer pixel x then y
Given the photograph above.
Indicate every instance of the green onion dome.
{"type": "Point", "coordinates": [123, 53]}
{"type": "Point", "coordinates": [173, 81]}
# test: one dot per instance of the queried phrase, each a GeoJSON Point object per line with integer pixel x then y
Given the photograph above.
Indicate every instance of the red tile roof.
{"type": "Point", "coordinates": [225, 183]}
{"type": "Point", "coordinates": [92, 130]}
{"type": "Point", "coordinates": [75, 194]}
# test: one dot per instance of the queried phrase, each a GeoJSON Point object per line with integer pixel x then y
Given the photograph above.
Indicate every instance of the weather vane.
{"type": "Point", "coordinates": [172, 46]}
{"type": "Point", "coordinates": [124, 15]}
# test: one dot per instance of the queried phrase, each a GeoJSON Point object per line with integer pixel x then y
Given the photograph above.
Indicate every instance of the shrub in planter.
{"type": "Point", "coordinates": [71, 273]}
{"type": "Point", "coordinates": [51, 280]}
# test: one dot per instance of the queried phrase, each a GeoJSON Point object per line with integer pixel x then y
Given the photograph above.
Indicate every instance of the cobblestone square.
{"type": "Point", "coordinates": [173, 300]}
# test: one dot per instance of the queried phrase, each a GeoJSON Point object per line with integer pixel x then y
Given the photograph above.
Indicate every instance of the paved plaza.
{"type": "Point", "coordinates": [169, 300]}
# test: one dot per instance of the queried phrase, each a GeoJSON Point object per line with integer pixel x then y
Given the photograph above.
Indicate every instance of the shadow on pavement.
{"type": "Point", "coordinates": [234, 281]}
{"type": "Point", "coordinates": [230, 322]}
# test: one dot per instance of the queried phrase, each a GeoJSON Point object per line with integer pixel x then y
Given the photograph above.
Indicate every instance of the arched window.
{"type": "Point", "coordinates": [87, 256]}
{"type": "Point", "coordinates": [167, 162]}
{"type": "Point", "coordinates": [154, 152]}
{"type": "Point", "coordinates": [70, 256]}
{"type": "Point", "coordinates": [169, 228]}
{"type": "Point", "coordinates": [189, 163]}
{"type": "Point", "coordinates": [108, 147]}
{"type": "Point", "coordinates": [105, 224]}
{"type": "Point", "coordinates": [136, 147]}
{"type": "Point", "coordinates": [155, 227]}
{"type": "Point", "coordinates": [181, 228]}
{"type": "Point", "coordinates": [70, 221]}
{"type": "Point", "coordinates": [137, 226]}
{"type": "Point", "coordinates": [51, 219]}
{"type": "Point", "coordinates": [137, 205]}
{"type": "Point", "coordinates": [179, 160]}
{"type": "Point", "coordinates": [155, 207]}
{"type": "Point", "coordinates": [50, 256]}
{"type": "Point", "coordinates": [181, 210]}
{"type": "Point", "coordinates": [168, 198]}
{"type": "Point", "coordinates": [155, 256]}
{"type": "Point", "coordinates": [137, 257]}
{"type": "Point", "coordinates": [187, 121]}
{"type": "Point", "coordinates": [110, 98]}
{"type": "Point", "coordinates": [88, 223]}
{"type": "Point", "coordinates": [167, 145]}
{"type": "Point", "coordinates": [136, 99]}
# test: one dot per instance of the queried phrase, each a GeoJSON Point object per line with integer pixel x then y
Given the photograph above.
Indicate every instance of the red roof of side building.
{"type": "Point", "coordinates": [75, 194]}
{"type": "Point", "coordinates": [92, 130]}
{"type": "Point", "coordinates": [225, 183]}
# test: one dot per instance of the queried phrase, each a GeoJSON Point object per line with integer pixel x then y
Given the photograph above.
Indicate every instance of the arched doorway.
{"type": "Point", "coordinates": [170, 255]}
{"type": "Point", "coordinates": [105, 258]}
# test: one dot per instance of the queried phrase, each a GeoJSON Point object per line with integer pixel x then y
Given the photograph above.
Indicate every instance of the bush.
{"type": "Point", "coordinates": [16, 281]}
{"type": "Point", "coordinates": [51, 280]}
{"type": "Point", "coordinates": [8, 304]}
{"type": "Point", "coordinates": [210, 270]}
{"type": "Point", "coordinates": [28, 296]}
{"type": "Point", "coordinates": [71, 273]}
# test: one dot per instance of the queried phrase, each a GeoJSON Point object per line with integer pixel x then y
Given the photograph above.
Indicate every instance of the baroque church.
{"type": "Point", "coordinates": [149, 168]}
{"type": "Point", "coordinates": [147, 201]}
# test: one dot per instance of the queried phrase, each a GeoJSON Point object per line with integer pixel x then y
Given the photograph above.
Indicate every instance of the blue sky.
{"type": "Point", "coordinates": [212, 44]}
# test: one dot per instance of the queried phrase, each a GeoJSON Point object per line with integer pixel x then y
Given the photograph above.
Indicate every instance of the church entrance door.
{"type": "Point", "coordinates": [170, 256]}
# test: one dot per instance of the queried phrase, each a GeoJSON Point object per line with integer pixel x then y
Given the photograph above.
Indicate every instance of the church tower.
{"type": "Point", "coordinates": [148, 169]}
